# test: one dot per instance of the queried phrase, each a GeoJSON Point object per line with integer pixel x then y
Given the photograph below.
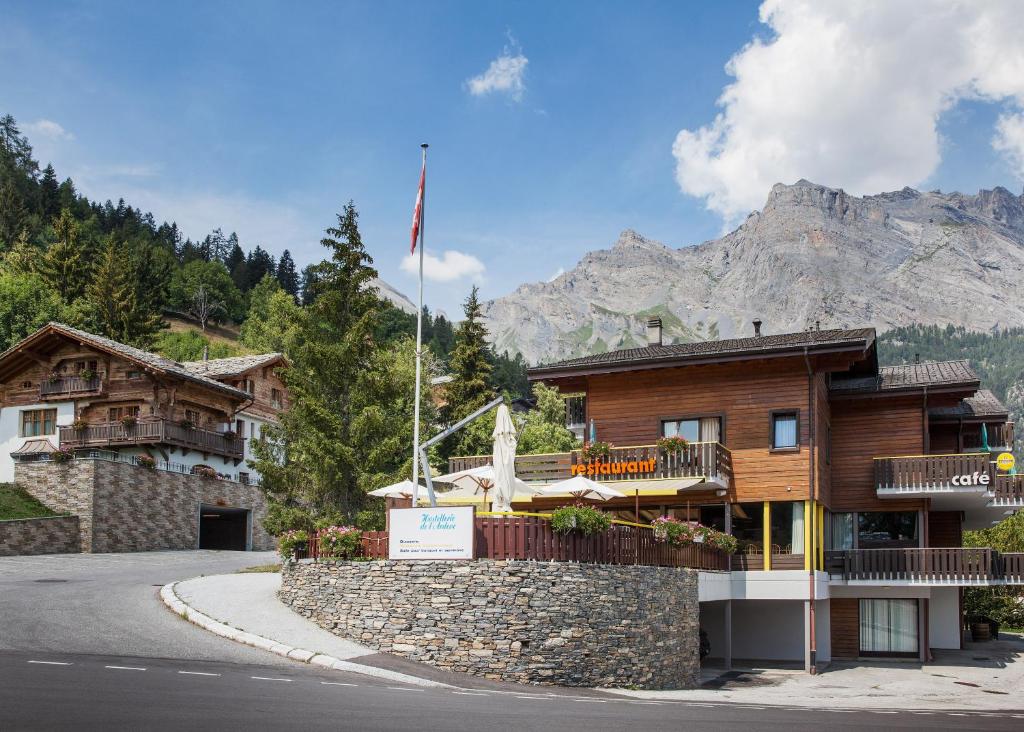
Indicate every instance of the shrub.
{"type": "Point", "coordinates": [594, 450]}
{"type": "Point", "coordinates": [281, 518]}
{"type": "Point", "coordinates": [340, 542]}
{"type": "Point", "coordinates": [672, 444]}
{"type": "Point", "coordinates": [62, 454]}
{"type": "Point", "coordinates": [579, 517]}
{"type": "Point", "coordinates": [146, 462]}
{"type": "Point", "coordinates": [290, 541]}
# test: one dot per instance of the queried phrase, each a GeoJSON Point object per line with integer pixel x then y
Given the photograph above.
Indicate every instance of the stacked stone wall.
{"type": "Point", "coordinates": [48, 535]}
{"type": "Point", "coordinates": [533, 622]}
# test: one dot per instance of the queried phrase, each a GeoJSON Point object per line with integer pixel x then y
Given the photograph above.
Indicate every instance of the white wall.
{"type": "Point", "coordinates": [823, 630]}
{"type": "Point", "coordinates": [712, 622]}
{"type": "Point", "coordinates": [769, 630]}
{"type": "Point", "coordinates": [249, 420]}
{"type": "Point", "coordinates": [714, 586]}
{"type": "Point", "coordinates": [944, 618]}
{"type": "Point", "coordinates": [10, 429]}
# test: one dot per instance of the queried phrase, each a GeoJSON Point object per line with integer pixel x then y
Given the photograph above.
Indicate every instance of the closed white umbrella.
{"type": "Point", "coordinates": [504, 457]}
{"type": "Point", "coordinates": [581, 487]}
{"type": "Point", "coordinates": [405, 489]}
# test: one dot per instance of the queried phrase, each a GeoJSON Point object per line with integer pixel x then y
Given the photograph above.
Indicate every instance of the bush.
{"type": "Point", "coordinates": [290, 541]}
{"type": "Point", "coordinates": [1004, 605]}
{"type": "Point", "coordinates": [340, 542]}
{"type": "Point", "coordinates": [281, 518]}
{"type": "Point", "coordinates": [579, 517]}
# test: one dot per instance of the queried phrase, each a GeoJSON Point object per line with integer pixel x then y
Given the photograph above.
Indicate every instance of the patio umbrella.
{"type": "Point", "coordinates": [473, 484]}
{"type": "Point", "coordinates": [504, 457]}
{"type": "Point", "coordinates": [405, 489]}
{"type": "Point", "coordinates": [582, 487]}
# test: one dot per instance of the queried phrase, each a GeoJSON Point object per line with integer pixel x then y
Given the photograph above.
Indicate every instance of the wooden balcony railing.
{"type": "Point", "coordinates": [921, 473]}
{"type": "Point", "coordinates": [150, 432]}
{"type": "Point", "coordinates": [952, 565]}
{"type": "Point", "coordinates": [710, 460]}
{"type": "Point", "coordinates": [999, 436]}
{"type": "Point", "coordinates": [68, 386]}
{"type": "Point", "coordinates": [531, 538]}
{"type": "Point", "coordinates": [1009, 490]}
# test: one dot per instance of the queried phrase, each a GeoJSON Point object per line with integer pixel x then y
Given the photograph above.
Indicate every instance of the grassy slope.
{"type": "Point", "coordinates": [216, 333]}
{"type": "Point", "coordinates": [17, 504]}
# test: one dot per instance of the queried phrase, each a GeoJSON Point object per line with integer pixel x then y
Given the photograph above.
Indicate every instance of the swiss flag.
{"type": "Point", "coordinates": [417, 214]}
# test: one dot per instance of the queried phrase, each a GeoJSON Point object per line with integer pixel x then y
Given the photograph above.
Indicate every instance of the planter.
{"type": "Point", "coordinates": [981, 632]}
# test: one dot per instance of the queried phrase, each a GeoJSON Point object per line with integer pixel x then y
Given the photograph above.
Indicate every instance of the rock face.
{"type": "Point", "coordinates": [396, 298]}
{"type": "Point", "coordinates": [811, 254]}
{"type": "Point", "coordinates": [529, 622]}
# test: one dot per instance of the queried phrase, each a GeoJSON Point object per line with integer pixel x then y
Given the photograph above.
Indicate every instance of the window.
{"type": "Point", "coordinates": [243, 478]}
{"type": "Point", "coordinates": [885, 530]}
{"type": "Point", "coordinates": [696, 429]}
{"type": "Point", "coordinates": [240, 427]}
{"type": "Point", "coordinates": [250, 386]}
{"type": "Point", "coordinates": [133, 374]}
{"type": "Point", "coordinates": [784, 431]}
{"type": "Point", "coordinates": [192, 415]}
{"type": "Point", "coordinates": [748, 526]}
{"type": "Point", "coordinates": [252, 430]}
{"type": "Point", "coordinates": [840, 531]}
{"type": "Point", "coordinates": [888, 627]}
{"type": "Point", "coordinates": [787, 522]}
{"type": "Point", "coordinates": [116, 414]}
{"type": "Point", "coordinates": [35, 422]}
{"type": "Point", "coordinates": [275, 398]}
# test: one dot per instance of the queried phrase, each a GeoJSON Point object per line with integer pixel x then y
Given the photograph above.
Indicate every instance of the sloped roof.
{"type": "Point", "coordinates": [911, 376]}
{"type": "Point", "coordinates": [40, 446]}
{"type": "Point", "coordinates": [709, 350]}
{"type": "Point", "coordinates": [131, 353]}
{"type": "Point", "coordinates": [218, 368]}
{"type": "Point", "coordinates": [983, 404]}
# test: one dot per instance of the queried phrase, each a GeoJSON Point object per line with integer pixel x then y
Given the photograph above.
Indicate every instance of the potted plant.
{"type": "Point", "coordinates": [186, 424]}
{"type": "Point", "coordinates": [62, 454]}
{"type": "Point", "coordinates": [672, 444]}
{"type": "Point", "coordinates": [146, 462]}
{"type": "Point", "coordinates": [87, 374]}
{"type": "Point", "coordinates": [725, 542]}
{"type": "Point", "coordinates": [595, 450]}
{"type": "Point", "coordinates": [230, 435]}
{"type": "Point", "coordinates": [580, 518]}
{"type": "Point", "coordinates": [673, 531]}
{"type": "Point", "coordinates": [54, 377]}
{"type": "Point", "coordinates": [128, 421]}
{"type": "Point", "coordinates": [205, 471]}
{"type": "Point", "coordinates": [290, 542]}
{"type": "Point", "coordinates": [340, 542]}
{"type": "Point", "coordinates": [79, 425]}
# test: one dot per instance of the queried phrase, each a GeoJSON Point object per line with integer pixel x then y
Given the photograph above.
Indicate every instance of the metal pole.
{"type": "Point", "coordinates": [419, 349]}
{"type": "Point", "coordinates": [437, 438]}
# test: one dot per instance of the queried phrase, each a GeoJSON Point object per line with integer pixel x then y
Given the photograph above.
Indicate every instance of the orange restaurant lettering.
{"type": "Point", "coordinates": [617, 468]}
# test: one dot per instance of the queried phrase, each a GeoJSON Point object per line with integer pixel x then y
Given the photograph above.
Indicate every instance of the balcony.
{"type": "Point", "coordinates": [69, 387]}
{"type": "Point", "coordinates": [952, 566]}
{"type": "Point", "coordinates": [709, 460]}
{"type": "Point", "coordinates": [1009, 491]}
{"type": "Point", "coordinates": [152, 432]}
{"type": "Point", "coordinates": [929, 474]}
{"type": "Point", "coordinates": [1000, 437]}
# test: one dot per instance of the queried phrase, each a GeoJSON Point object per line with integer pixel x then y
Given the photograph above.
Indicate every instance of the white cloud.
{"type": "Point", "coordinates": [504, 75]}
{"type": "Point", "coordinates": [47, 128]}
{"type": "Point", "coordinates": [452, 265]}
{"type": "Point", "coordinates": [850, 95]}
{"type": "Point", "coordinates": [1009, 140]}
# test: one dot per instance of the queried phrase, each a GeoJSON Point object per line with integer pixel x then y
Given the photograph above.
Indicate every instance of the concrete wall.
{"type": "Point", "coordinates": [944, 618]}
{"type": "Point", "coordinates": [823, 630]}
{"type": "Point", "coordinates": [10, 431]}
{"type": "Point", "coordinates": [712, 622]}
{"type": "Point", "coordinates": [768, 630]}
{"type": "Point", "coordinates": [49, 535]}
{"type": "Point", "coordinates": [534, 622]}
{"type": "Point", "coordinates": [124, 508]}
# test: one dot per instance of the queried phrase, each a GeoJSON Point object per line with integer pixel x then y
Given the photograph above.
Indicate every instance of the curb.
{"type": "Point", "coordinates": [189, 613]}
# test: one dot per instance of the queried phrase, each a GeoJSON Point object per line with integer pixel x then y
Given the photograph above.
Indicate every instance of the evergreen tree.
{"type": "Point", "coordinates": [313, 458]}
{"type": "Point", "coordinates": [309, 284]}
{"type": "Point", "coordinates": [258, 265]}
{"type": "Point", "coordinates": [63, 266]}
{"type": "Point", "coordinates": [115, 306]}
{"type": "Point", "coordinates": [235, 257]}
{"type": "Point", "coordinates": [286, 274]}
{"type": "Point", "coordinates": [470, 389]}
{"type": "Point", "coordinates": [442, 337]}
{"type": "Point", "coordinates": [272, 320]}
{"type": "Point", "coordinates": [49, 194]}
{"type": "Point", "coordinates": [14, 217]}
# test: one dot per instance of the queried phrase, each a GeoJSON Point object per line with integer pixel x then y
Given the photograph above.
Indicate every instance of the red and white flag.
{"type": "Point", "coordinates": [417, 214]}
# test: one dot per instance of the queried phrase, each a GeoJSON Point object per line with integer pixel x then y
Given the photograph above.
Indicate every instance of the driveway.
{"type": "Point", "coordinates": [107, 604]}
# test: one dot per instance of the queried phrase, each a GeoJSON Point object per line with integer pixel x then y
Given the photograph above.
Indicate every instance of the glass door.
{"type": "Point", "coordinates": [888, 627]}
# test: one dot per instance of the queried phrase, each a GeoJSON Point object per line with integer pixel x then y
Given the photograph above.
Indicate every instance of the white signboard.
{"type": "Point", "coordinates": [431, 533]}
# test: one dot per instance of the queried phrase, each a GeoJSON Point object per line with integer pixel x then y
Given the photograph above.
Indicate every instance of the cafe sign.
{"type": "Point", "coordinates": [431, 533]}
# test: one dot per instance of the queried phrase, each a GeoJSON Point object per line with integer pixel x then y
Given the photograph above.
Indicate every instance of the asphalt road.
{"type": "Point", "coordinates": [86, 644]}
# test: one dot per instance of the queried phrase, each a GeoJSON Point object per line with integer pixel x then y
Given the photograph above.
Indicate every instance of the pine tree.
{"type": "Point", "coordinates": [64, 265]}
{"type": "Point", "coordinates": [309, 284]}
{"type": "Point", "coordinates": [470, 389]}
{"type": "Point", "coordinates": [115, 307]}
{"type": "Point", "coordinates": [258, 265]}
{"type": "Point", "coordinates": [13, 214]}
{"type": "Point", "coordinates": [287, 277]}
{"type": "Point", "coordinates": [49, 193]}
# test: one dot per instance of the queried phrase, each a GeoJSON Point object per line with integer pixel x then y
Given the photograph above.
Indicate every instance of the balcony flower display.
{"type": "Point", "coordinates": [79, 425]}
{"type": "Point", "coordinates": [340, 542]}
{"type": "Point", "coordinates": [676, 532]}
{"type": "Point", "coordinates": [204, 470]}
{"type": "Point", "coordinates": [595, 451]}
{"type": "Point", "coordinates": [87, 374]}
{"type": "Point", "coordinates": [580, 518]}
{"type": "Point", "coordinates": [672, 444]}
{"type": "Point", "coordinates": [146, 462]}
{"type": "Point", "coordinates": [291, 541]}
{"type": "Point", "coordinates": [128, 421]}
{"type": "Point", "coordinates": [62, 454]}
{"type": "Point", "coordinates": [186, 424]}
{"type": "Point", "coordinates": [230, 435]}
{"type": "Point", "coordinates": [54, 377]}
{"type": "Point", "coordinates": [726, 542]}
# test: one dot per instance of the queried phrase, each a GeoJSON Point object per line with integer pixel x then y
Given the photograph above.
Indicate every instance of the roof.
{"type": "Point", "coordinates": [754, 347]}
{"type": "Point", "coordinates": [983, 404]}
{"type": "Point", "coordinates": [40, 446]}
{"type": "Point", "coordinates": [131, 353]}
{"type": "Point", "coordinates": [218, 368]}
{"type": "Point", "coordinates": [911, 376]}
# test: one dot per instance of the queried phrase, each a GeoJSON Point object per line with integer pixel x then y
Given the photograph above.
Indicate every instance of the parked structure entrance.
{"type": "Point", "coordinates": [223, 528]}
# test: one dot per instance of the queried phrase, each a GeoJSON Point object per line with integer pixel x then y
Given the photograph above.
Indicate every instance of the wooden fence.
{"type": "Point", "coordinates": [923, 472]}
{"type": "Point", "coordinates": [932, 564]}
{"type": "Point", "coordinates": [532, 538]}
{"type": "Point", "coordinates": [152, 431]}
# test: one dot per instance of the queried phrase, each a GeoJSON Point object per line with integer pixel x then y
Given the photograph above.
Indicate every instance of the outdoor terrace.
{"type": "Point", "coordinates": [66, 387]}
{"type": "Point", "coordinates": [954, 566]}
{"type": "Point", "coordinates": [153, 432]}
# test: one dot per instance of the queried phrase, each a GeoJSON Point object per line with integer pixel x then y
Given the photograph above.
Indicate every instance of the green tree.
{"type": "Point", "coordinates": [273, 319]}
{"type": "Point", "coordinates": [49, 193]}
{"type": "Point", "coordinates": [190, 345]}
{"type": "Point", "coordinates": [14, 216]}
{"type": "Point", "coordinates": [64, 266]}
{"type": "Point", "coordinates": [470, 389]}
{"type": "Point", "coordinates": [206, 291]}
{"type": "Point", "coordinates": [117, 308]}
{"type": "Point", "coordinates": [314, 458]}
{"type": "Point", "coordinates": [287, 276]}
{"type": "Point", "coordinates": [543, 428]}
{"type": "Point", "coordinates": [26, 304]}
{"type": "Point", "coordinates": [1003, 604]}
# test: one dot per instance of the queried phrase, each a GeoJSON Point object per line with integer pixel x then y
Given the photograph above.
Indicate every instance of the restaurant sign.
{"type": "Point", "coordinates": [431, 533]}
{"type": "Point", "coordinates": [621, 467]}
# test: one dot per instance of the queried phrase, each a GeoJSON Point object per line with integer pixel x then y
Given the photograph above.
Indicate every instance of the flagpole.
{"type": "Point", "coordinates": [419, 350]}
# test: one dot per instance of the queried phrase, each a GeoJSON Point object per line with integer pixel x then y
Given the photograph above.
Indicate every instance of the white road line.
{"type": "Point", "coordinates": [52, 663]}
{"type": "Point", "coordinates": [644, 702]}
{"type": "Point", "coordinates": [126, 668]}
{"type": "Point", "coordinates": [470, 693]}
{"type": "Point", "coordinates": [403, 688]}
{"type": "Point", "coordinates": [593, 701]}
{"type": "Point", "coordinates": [533, 697]}
{"type": "Point", "coordinates": [197, 673]}
{"type": "Point", "coordinates": [876, 711]}
{"type": "Point", "coordinates": [268, 678]}
{"type": "Point", "coordinates": [336, 683]}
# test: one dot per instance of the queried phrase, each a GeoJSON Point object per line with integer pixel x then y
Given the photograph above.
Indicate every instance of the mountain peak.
{"type": "Point", "coordinates": [630, 239]}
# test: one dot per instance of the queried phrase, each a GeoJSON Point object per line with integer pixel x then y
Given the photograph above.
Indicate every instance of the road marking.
{"type": "Point", "coordinates": [268, 678]}
{"type": "Point", "coordinates": [645, 702]}
{"type": "Point", "coordinates": [593, 701]}
{"type": "Point", "coordinates": [403, 688]}
{"type": "Point", "coordinates": [533, 697]}
{"type": "Point", "coordinates": [197, 673]}
{"type": "Point", "coordinates": [52, 663]}
{"type": "Point", "coordinates": [470, 693]}
{"type": "Point", "coordinates": [875, 711]}
{"type": "Point", "coordinates": [336, 683]}
{"type": "Point", "coordinates": [126, 668]}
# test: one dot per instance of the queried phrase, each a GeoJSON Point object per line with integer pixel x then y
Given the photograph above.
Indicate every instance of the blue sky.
{"type": "Point", "coordinates": [263, 118]}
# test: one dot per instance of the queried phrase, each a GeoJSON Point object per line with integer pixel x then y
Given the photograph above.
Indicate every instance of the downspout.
{"type": "Point", "coordinates": [812, 484]}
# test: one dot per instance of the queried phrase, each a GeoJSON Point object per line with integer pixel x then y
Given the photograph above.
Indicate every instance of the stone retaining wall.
{"type": "Point", "coordinates": [127, 508]}
{"type": "Point", "coordinates": [47, 535]}
{"type": "Point", "coordinates": [534, 622]}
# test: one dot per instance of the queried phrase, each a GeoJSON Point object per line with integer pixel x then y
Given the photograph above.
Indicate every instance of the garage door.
{"type": "Point", "coordinates": [223, 528]}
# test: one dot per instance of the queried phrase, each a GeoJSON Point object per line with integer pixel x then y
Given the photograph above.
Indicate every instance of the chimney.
{"type": "Point", "coordinates": [654, 332]}
{"type": "Point", "coordinates": [917, 358]}
{"type": "Point", "coordinates": [757, 327]}
{"type": "Point", "coordinates": [817, 325]}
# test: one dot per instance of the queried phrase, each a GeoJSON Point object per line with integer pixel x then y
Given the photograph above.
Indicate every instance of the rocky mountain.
{"type": "Point", "coordinates": [396, 298]}
{"type": "Point", "coordinates": [811, 254]}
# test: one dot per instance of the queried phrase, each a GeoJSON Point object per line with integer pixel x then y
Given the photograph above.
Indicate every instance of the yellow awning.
{"type": "Point", "coordinates": [654, 487]}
